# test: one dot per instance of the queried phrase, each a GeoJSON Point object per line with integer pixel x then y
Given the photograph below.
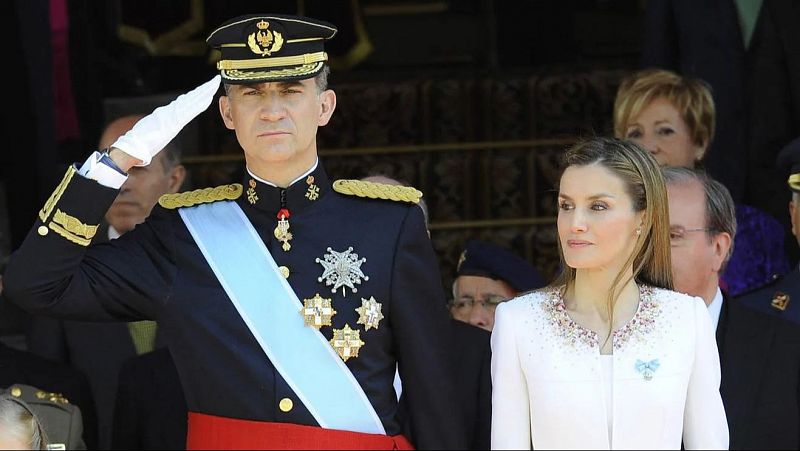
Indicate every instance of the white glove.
{"type": "Point", "coordinates": [153, 132]}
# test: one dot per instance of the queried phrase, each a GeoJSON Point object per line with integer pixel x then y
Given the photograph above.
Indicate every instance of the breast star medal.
{"type": "Point", "coordinates": [317, 311]}
{"type": "Point", "coordinates": [347, 342]}
{"type": "Point", "coordinates": [342, 270]}
{"type": "Point", "coordinates": [369, 313]}
{"type": "Point", "coordinates": [282, 233]}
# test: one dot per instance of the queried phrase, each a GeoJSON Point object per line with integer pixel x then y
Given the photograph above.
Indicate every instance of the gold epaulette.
{"type": "Point", "coordinates": [200, 196]}
{"type": "Point", "coordinates": [374, 190]}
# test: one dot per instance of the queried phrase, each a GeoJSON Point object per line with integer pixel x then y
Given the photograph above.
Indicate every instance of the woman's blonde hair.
{"type": "Point", "coordinates": [641, 175]}
{"type": "Point", "coordinates": [690, 96]}
{"type": "Point", "coordinates": [17, 420]}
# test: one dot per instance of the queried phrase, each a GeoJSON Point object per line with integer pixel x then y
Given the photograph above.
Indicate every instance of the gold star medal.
{"type": "Point", "coordinates": [342, 270]}
{"type": "Point", "coordinates": [369, 313]}
{"type": "Point", "coordinates": [282, 233]}
{"type": "Point", "coordinates": [318, 311]}
{"type": "Point", "coordinates": [347, 342]}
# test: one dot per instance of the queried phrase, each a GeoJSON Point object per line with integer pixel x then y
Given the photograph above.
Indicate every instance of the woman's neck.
{"type": "Point", "coordinates": [591, 289]}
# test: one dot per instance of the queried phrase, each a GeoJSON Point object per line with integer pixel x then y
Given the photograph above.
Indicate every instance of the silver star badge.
{"type": "Point", "coordinates": [369, 313]}
{"type": "Point", "coordinates": [342, 270]}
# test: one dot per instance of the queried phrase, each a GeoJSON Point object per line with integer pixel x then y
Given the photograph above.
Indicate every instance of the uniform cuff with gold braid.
{"type": "Point", "coordinates": [68, 214]}
{"type": "Point", "coordinates": [102, 169]}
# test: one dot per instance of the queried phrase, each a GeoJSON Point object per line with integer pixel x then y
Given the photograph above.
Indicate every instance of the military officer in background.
{"type": "Point", "coordinates": [782, 297]}
{"type": "Point", "coordinates": [61, 422]}
{"type": "Point", "coordinates": [486, 275]}
{"type": "Point", "coordinates": [287, 300]}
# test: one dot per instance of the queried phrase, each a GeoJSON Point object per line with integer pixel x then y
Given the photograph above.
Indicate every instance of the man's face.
{"type": "Point", "coordinates": [140, 193]}
{"type": "Point", "coordinates": [277, 122]}
{"type": "Point", "coordinates": [476, 299]}
{"type": "Point", "coordinates": [696, 258]}
{"type": "Point", "coordinates": [794, 214]}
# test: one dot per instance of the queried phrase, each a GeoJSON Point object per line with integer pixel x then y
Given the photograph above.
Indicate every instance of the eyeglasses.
{"type": "Point", "coordinates": [467, 304]}
{"type": "Point", "coordinates": [677, 235]}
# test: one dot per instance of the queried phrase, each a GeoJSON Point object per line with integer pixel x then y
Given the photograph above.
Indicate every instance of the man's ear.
{"type": "Point", "coordinates": [722, 246]}
{"type": "Point", "coordinates": [225, 111]}
{"type": "Point", "coordinates": [327, 106]}
{"type": "Point", "coordinates": [176, 177]}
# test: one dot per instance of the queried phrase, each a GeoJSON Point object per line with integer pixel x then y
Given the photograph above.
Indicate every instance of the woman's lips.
{"type": "Point", "coordinates": [578, 243]}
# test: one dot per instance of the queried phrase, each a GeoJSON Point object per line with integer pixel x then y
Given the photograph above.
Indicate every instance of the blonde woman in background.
{"type": "Point", "coordinates": [19, 427]}
{"type": "Point", "coordinates": [674, 118]}
{"type": "Point", "coordinates": [609, 356]}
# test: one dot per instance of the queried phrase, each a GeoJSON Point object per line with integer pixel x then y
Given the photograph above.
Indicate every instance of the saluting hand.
{"type": "Point", "coordinates": [154, 131]}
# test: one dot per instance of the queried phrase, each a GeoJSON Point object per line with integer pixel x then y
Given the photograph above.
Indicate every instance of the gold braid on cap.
{"type": "Point", "coordinates": [794, 182]}
{"type": "Point", "coordinates": [374, 190]}
{"type": "Point", "coordinates": [200, 196]}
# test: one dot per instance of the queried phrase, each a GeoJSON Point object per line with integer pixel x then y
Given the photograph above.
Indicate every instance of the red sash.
{"type": "Point", "coordinates": [212, 432]}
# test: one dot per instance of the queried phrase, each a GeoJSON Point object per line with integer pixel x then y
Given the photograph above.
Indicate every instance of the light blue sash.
{"type": "Point", "coordinates": [271, 310]}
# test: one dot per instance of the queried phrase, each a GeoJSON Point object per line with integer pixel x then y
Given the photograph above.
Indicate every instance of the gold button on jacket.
{"type": "Point", "coordinates": [286, 405]}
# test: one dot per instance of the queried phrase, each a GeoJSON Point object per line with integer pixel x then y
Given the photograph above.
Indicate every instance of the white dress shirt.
{"type": "Point", "coordinates": [715, 308]}
{"type": "Point", "coordinates": [547, 377]}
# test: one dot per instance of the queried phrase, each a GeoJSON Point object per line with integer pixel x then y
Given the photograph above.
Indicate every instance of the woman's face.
{"type": "Point", "coordinates": [597, 226]}
{"type": "Point", "coordinates": [660, 129]}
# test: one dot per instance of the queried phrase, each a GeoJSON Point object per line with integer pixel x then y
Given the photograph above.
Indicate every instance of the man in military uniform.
{"type": "Point", "coordinates": [488, 274]}
{"type": "Point", "coordinates": [782, 298]}
{"type": "Point", "coordinates": [62, 422]}
{"type": "Point", "coordinates": [287, 301]}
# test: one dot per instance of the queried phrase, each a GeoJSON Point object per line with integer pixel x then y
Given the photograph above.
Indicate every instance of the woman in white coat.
{"type": "Point", "coordinates": [608, 357]}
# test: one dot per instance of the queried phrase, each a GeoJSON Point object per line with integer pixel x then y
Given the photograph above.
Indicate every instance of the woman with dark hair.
{"type": "Point", "coordinates": [608, 356]}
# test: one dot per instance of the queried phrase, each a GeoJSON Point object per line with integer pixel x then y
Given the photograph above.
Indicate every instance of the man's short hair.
{"type": "Point", "coordinates": [720, 211]}
{"type": "Point", "coordinates": [171, 156]}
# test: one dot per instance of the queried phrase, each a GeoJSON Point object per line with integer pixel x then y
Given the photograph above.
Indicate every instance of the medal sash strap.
{"type": "Point", "coordinates": [271, 310]}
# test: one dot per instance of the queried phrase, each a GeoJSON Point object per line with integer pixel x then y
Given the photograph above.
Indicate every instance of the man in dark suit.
{"type": "Point", "coordinates": [99, 349]}
{"type": "Point", "coordinates": [704, 40]}
{"type": "Point", "coordinates": [759, 354]}
{"type": "Point", "coordinates": [774, 98]}
{"type": "Point", "coordinates": [150, 410]}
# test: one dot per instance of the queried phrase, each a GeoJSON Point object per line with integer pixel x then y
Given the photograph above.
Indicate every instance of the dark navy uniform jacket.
{"type": "Point", "coordinates": [157, 272]}
{"type": "Point", "coordinates": [762, 299]}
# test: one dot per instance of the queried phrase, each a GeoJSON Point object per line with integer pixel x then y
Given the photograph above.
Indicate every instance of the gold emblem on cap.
{"type": "Point", "coordinates": [461, 259]}
{"type": "Point", "coordinates": [780, 301]}
{"type": "Point", "coordinates": [369, 313]}
{"type": "Point", "coordinates": [264, 42]}
{"type": "Point", "coordinates": [318, 311]}
{"type": "Point", "coordinates": [347, 342]}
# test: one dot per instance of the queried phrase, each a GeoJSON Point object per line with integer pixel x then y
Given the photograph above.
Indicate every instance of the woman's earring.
{"type": "Point", "coordinates": [638, 230]}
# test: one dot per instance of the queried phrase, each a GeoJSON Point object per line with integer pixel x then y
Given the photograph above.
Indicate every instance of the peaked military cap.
{"type": "Point", "coordinates": [789, 162]}
{"type": "Point", "coordinates": [484, 259]}
{"type": "Point", "coordinates": [62, 422]}
{"type": "Point", "coordinates": [270, 47]}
